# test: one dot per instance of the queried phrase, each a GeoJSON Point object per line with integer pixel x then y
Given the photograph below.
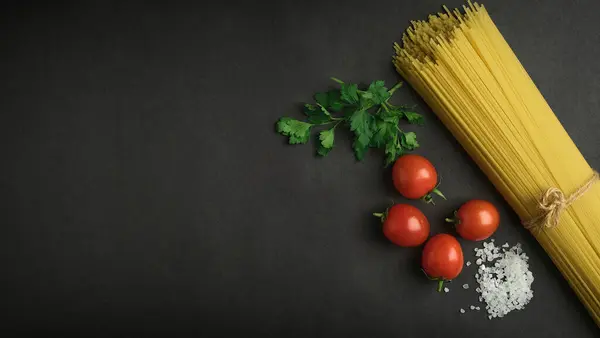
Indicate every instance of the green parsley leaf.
{"type": "Point", "coordinates": [349, 93]}
{"type": "Point", "coordinates": [326, 138]}
{"type": "Point", "coordinates": [363, 140]}
{"type": "Point", "coordinates": [409, 140]}
{"type": "Point", "coordinates": [379, 91]}
{"type": "Point", "coordinates": [334, 100]}
{"type": "Point", "coordinates": [392, 115]}
{"type": "Point", "coordinates": [366, 100]}
{"type": "Point", "coordinates": [322, 150]}
{"type": "Point", "coordinates": [330, 100]}
{"type": "Point", "coordinates": [392, 152]}
{"type": "Point", "coordinates": [414, 118]}
{"type": "Point", "coordinates": [316, 115]}
{"type": "Point", "coordinates": [298, 131]}
{"type": "Point", "coordinates": [383, 132]}
{"type": "Point", "coordinates": [322, 99]}
{"type": "Point", "coordinates": [360, 150]}
{"type": "Point", "coordinates": [360, 124]}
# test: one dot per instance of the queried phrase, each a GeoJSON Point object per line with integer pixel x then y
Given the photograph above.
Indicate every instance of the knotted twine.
{"type": "Point", "coordinates": [553, 203]}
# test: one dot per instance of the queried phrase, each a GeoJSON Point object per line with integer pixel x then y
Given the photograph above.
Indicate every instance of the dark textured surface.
{"type": "Point", "coordinates": [144, 193]}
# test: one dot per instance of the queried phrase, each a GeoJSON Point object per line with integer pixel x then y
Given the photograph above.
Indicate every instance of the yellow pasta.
{"type": "Point", "coordinates": [464, 69]}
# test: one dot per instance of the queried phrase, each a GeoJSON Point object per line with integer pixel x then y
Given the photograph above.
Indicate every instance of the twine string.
{"type": "Point", "coordinates": [553, 202]}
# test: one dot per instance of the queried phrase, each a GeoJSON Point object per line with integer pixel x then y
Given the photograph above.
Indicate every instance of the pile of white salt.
{"type": "Point", "coordinates": [505, 282]}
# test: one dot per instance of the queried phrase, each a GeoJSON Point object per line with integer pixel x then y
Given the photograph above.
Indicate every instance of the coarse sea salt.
{"type": "Point", "coordinates": [506, 285]}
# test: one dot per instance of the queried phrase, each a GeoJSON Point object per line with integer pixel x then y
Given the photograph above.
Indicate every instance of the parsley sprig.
{"type": "Point", "coordinates": [368, 113]}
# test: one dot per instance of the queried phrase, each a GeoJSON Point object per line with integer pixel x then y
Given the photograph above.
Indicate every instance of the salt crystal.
{"type": "Point", "coordinates": [468, 263]}
{"type": "Point", "coordinates": [478, 261]}
{"type": "Point", "coordinates": [465, 286]}
{"type": "Point", "coordinates": [505, 245]}
{"type": "Point", "coordinates": [462, 310]}
{"type": "Point", "coordinates": [477, 308]}
{"type": "Point", "coordinates": [446, 290]}
{"type": "Point", "coordinates": [492, 240]}
{"type": "Point", "coordinates": [472, 307]}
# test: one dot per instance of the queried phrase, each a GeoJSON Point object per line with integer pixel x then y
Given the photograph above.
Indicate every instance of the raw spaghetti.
{"type": "Point", "coordinates": [464, 69]}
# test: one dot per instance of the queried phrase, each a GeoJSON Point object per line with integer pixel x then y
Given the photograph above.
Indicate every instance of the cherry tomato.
{"type": "Point", "coordinates": [415, 177]}
{"type": "Point", "coordinates": [442, 258]}
{"type": "Point", "coordinates": [405, 225]}
{"type": "Point", "coordinates": [476, 220]}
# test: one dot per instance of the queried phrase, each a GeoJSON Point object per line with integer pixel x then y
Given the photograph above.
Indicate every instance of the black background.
{"type": "Point", "coordinates": [144, 191]}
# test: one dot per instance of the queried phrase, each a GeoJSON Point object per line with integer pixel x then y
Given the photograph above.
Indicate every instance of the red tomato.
{"type": "Point", "coordinates": [442, 258]}
{"type": "Point", "coordinates": [415, 177]}
{"type": "Point", "coordinates": [405, 225]}
{"type": "Point", "coordinates": [476, 220]}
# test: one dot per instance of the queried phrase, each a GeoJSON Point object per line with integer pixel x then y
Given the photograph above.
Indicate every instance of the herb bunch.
{"type": "Point", "coordinates": [368, 113]}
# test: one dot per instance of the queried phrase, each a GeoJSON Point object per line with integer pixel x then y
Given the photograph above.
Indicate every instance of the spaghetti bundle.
{"type": "Point", "coordinates": [467, 73]}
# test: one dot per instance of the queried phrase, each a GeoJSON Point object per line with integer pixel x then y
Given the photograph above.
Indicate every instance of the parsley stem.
{"type": "Point", "coordinates": [341, 120]}
{"type": "Point", "coordinates": [337, 80]}
{"type": "Point", "coordinates": [333, 120]}
{"type": "Point", "coordinates": [394, 88]}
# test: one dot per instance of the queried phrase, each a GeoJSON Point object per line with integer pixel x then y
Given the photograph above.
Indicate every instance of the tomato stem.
{"type": "Point", "coordinates": [440, 285]}
{"type": "Point", "coordinates": [438, 192]}
{"type": "Point", "coordinates": [428, 199]}
{"type": "Point", "coordinates": [454, 220]}
{"type": "Point", "coordinates": [381, 215]}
